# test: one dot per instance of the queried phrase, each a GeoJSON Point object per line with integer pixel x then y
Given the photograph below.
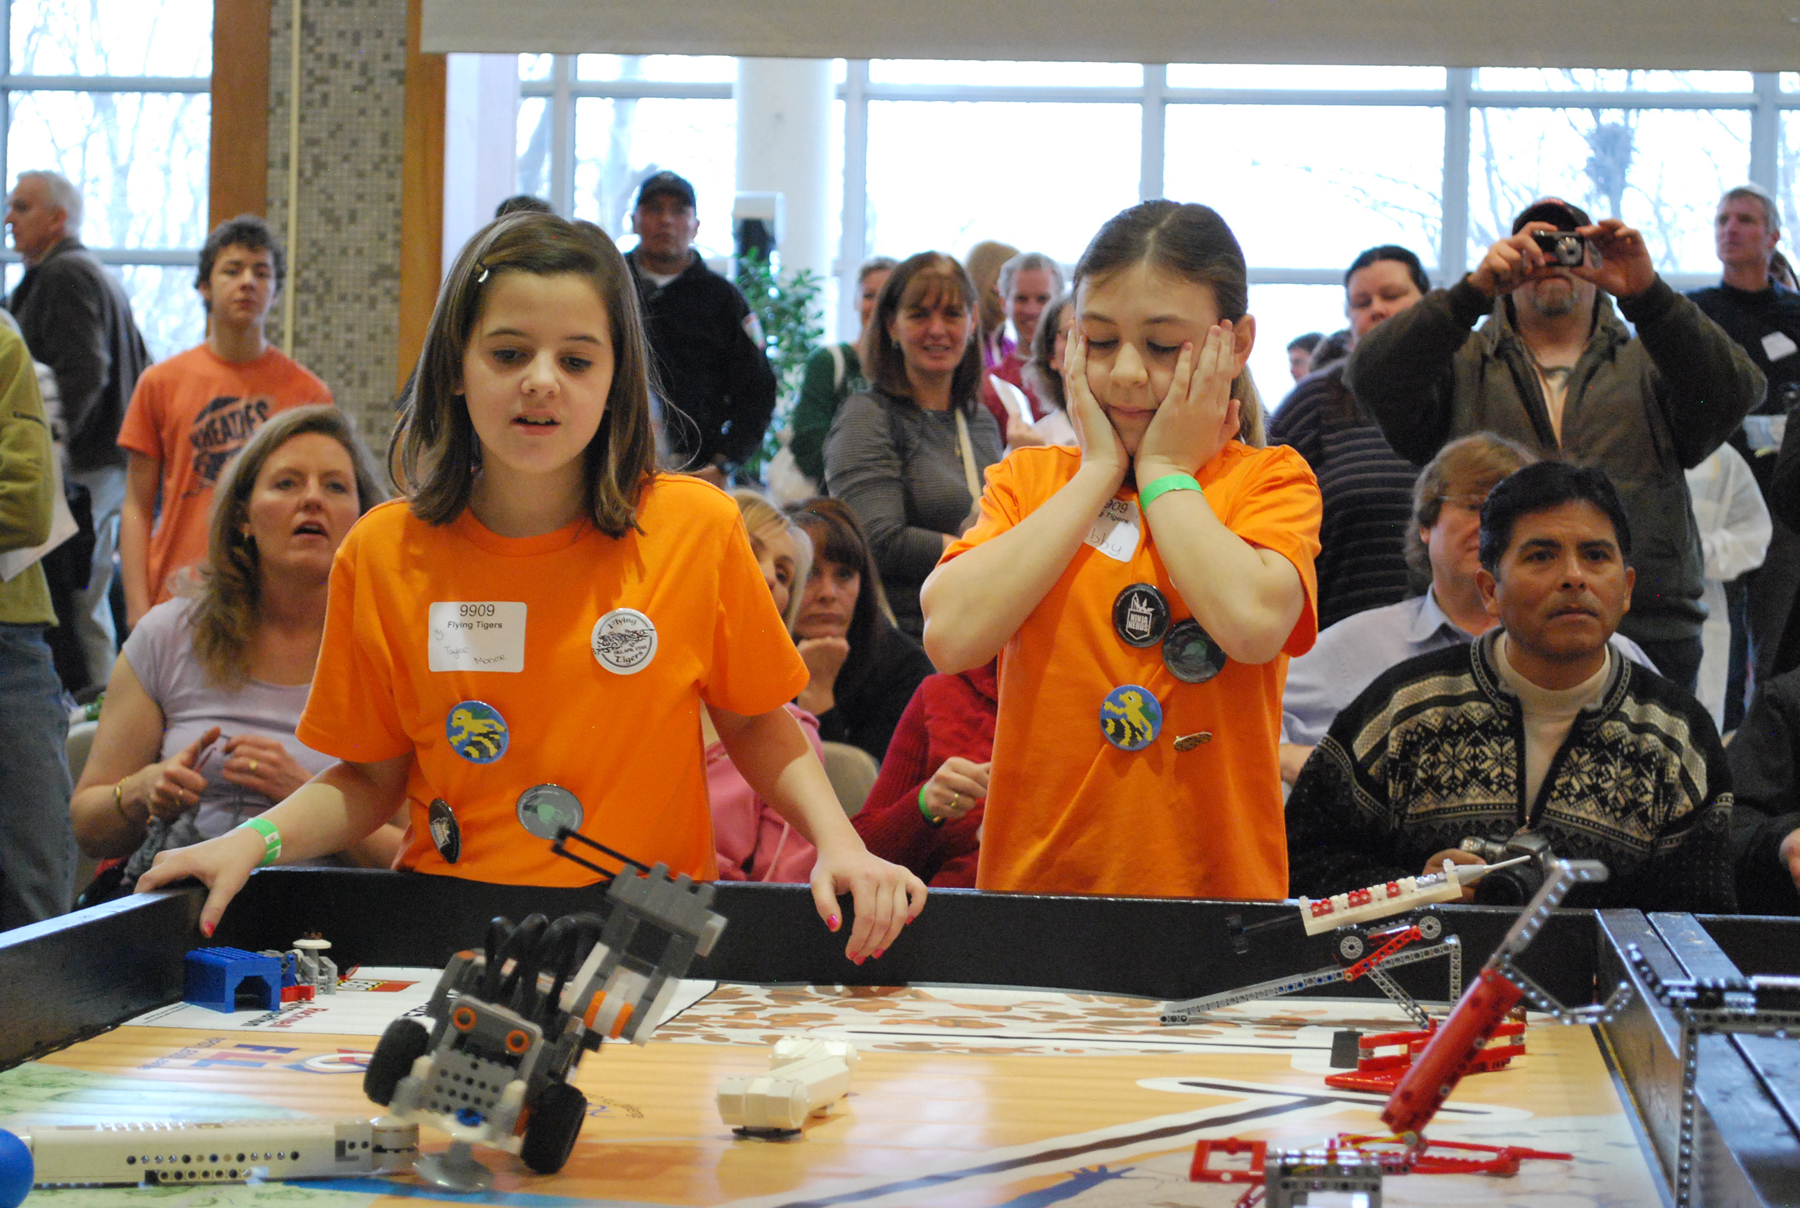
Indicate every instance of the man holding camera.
{"type": "Point", "coordinates": [1538, 732]}
{"type": "Point", "coordinates": [1555, 369]}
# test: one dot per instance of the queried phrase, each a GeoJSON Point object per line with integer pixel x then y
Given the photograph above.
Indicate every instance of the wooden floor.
{"type": "Point", "coordinates": [963, 1097]}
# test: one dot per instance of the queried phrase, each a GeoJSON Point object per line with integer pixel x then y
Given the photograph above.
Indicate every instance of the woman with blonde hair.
{"type": "Point", "coordinates": [197, 732]}
{"type": "Point", "coordinates": [755, 842]}
{"type": "Point", "coordinates": [984, 262]}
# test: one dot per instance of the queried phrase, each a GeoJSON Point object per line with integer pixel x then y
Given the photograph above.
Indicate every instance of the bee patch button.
{"type": "Point", "coordinates": [1131, 717]}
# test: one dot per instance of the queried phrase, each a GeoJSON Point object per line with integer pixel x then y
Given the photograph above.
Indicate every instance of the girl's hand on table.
{"type": "Point", "coordinates": [886, 897]}
{"type": "Point", "coordinates": [222, 865]}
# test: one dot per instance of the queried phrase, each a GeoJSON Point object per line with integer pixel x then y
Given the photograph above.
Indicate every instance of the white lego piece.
{"type": "Point", "coordinates": [785, 1098]}
{"type": "Point", "coordinates": [805, 1076]}
{"type": "Point", "coordinates": [1389, 898]}
{"type": "Point", "coordinates": [230, 1151]}
{"type": "Point", "coordinates": [794, 1049]}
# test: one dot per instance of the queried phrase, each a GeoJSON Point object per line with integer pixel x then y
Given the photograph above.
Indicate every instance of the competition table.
{"type": "Point", "coordinates": [1011, 1054]}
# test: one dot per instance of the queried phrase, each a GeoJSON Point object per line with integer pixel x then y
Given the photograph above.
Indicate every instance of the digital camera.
{"type": "Point", "coordinates": [1511, 886]}
{"type": "Point", "coordinates": [1561, 247]}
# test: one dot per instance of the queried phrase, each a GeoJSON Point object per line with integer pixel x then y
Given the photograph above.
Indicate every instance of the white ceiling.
{"type": "Point", "coordinates": [1753, 35]}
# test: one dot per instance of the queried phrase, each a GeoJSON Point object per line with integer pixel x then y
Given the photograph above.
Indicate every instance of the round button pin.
{"type": "Point", "coordinates": [477, 732]}
{"type": "Point", "coordinates": [624, 641]}
{"type": "Point", "coordinates": [1140, 615]}
{"type": "Point", "coordinates": [543, 808]}
{"type": "Point", "coordinates": [1131, 717]}
{"type": "Point", "coordinates": [446, 835]}
{"type": "Point", "coordinates": [1190, 653]}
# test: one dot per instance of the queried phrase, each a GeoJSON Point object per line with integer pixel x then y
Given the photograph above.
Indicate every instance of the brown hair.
{"type": "Point", "coordinates": [1473, 465]}
{"type": "Point", "coordinates": [434, 449]}
{"type": "Point", "coordinates": [1191, 242]}
{"type": "Point", "coordinates": [227, 592]}
{"type": "Point", "coordinates": [837, 537]}
{"type": "Point", "coordinates": [1040, 372]}
{"type": "Point", "coordinates": [921, 279]}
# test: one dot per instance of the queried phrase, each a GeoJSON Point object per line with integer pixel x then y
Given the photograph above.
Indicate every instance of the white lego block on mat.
{"type": "Point", "coordinates": [785, 1098]}
{"type": "Point", "coordinates": [799, 1048]}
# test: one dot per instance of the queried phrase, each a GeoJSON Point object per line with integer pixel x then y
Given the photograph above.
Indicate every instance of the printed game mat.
{"type": "Point", "coordinates": [964, 1096]}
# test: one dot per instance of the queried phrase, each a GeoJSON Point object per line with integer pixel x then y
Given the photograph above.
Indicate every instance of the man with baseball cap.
{"type": "Point", "coordinates": [715, 385]}
{"type": "Point", "coordinates": [1555, 369]}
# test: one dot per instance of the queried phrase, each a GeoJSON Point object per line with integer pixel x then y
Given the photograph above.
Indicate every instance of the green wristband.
{"type": "Point", "coordinates": [271, 838]}
{"type": "Point", "coordinates": [1162, 486]}
{"type": "Point", "coordinates": [929, 820]}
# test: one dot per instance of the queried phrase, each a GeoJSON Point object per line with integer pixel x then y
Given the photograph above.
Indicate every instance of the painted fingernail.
{"type": "Point", "coordinates": [859, 960]}
{"type": "Point", "coordinates": [206, 929]}
{"type": "Point", "coordinates": [879, 952]}
{"type": "Point", "coordinates": [834, 922]}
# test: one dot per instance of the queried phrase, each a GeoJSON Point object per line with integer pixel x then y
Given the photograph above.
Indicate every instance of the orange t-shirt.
{"type": "Point", "coordinates": [192, 413]}
{"type": "Point", "coordinates": [511, 626]}
{"type": "Point", "coordinates": [1067, 812]}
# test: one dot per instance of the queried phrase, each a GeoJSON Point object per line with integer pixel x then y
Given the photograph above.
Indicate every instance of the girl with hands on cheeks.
{"type": "Point", "coordinates": [526, 641]}
{"type": "Point", "coordinates": [1143, 590]}
{"type": "Point", "coordinates": [232, 656]}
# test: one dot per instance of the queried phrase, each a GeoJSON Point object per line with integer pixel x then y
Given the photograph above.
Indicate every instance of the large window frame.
{"type": "Point", "coordinates": [12, 82]}
{"type": "Point", "coordinates": [1459, 99]}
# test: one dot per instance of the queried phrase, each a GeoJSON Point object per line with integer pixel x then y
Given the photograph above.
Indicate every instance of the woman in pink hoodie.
{"type": "Point", "coordinates": [754, 842]}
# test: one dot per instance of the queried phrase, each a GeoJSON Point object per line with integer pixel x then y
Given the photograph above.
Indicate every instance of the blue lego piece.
{"type": "Point", "coordinates": [15, 1170]}
{"type": "Point", "coordinates": [214, 976]}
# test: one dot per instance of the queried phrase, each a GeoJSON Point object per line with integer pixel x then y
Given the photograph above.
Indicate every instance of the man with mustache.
{"type": "Point", "coordinates": [1555, 369]}
{"type": "Point", "coordinates": [1537, 726]}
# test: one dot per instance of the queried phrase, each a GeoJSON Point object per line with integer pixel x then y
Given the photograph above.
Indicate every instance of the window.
{"type": "Point", "coordinates": [1310, 164]}
{"type": "Point", "coordinates": [948, 174]}
{"type": "Point", "coordinates": [1274, 171]}
{"type": "Point", "coordinates": [114, 95]}
{"type": "Point", "coordinates": [1661, 169]}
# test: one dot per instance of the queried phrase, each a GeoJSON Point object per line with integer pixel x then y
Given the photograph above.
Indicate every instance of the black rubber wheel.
{"type": "Point", "coordinates": [555, 1123]}
{"type": "Point", "coordinates": [404, 1042]}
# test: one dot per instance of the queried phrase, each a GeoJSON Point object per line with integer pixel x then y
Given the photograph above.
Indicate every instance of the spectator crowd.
{"type": "Point", "coordinates": [1040, 594]}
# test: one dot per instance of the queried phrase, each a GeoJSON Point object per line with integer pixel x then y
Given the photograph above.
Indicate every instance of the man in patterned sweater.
{"type": "Point", "coordinates": [1538, 726]}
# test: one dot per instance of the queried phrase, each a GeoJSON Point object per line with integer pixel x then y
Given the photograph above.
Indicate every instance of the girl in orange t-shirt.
{"type": "Point", "coordinates": [1142, 591]}
{"type": "Point", "coordinates": [458, 673]}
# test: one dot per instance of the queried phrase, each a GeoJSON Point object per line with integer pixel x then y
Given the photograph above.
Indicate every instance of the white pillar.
{"type": "Point", "coordinates": [481, 155]}
{"type": "Point", "coordinates": [783, 146]}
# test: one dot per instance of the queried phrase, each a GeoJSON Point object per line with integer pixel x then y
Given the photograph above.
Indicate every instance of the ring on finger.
{"type": "Point", "coordinates": [253, 765]}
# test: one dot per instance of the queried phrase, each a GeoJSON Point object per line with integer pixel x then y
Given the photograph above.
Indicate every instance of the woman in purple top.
{"type": "Point", "coordinates": [197, 732]}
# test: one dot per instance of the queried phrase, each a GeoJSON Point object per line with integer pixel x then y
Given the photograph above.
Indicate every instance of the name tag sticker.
{"type": "Point", "coordinates": [1116, 530]}
{"type": "Point", "coordinates": [477, 635]}
{"type": "Point", "coordinates": [1777, 345]}
{"type": "Point", "coordinates": [1763, 433]}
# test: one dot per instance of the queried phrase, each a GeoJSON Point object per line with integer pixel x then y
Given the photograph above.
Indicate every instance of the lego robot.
{"type": "Point", "coordinates": [508, 1026]}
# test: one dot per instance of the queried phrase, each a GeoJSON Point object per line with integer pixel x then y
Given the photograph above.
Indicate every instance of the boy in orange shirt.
{"type": "Point", "coordinates": [191, 413]}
